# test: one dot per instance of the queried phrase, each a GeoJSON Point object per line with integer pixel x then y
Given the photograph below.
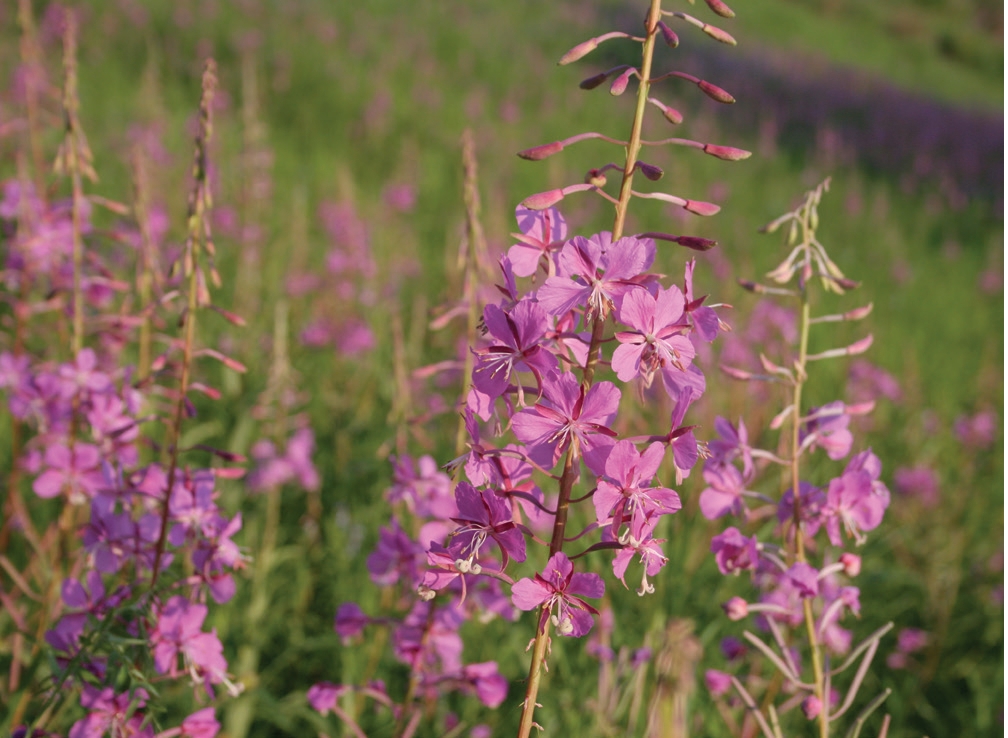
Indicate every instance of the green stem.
{"type": "Point", "coordinates": [799, 552]}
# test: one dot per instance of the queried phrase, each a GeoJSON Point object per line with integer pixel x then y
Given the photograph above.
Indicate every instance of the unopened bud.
{"type": "Point", "coordinates": [538, 153]}
{"type": "Point", "coordinates": [619, 85]}
{"type": "Point", "coordinates": [650, 171]}
{"type": "Point", "coordinates": [851, 564]}
{"type": "Point", "coordinates": [858, 313]}
{"type": "Point", "coordinates": [594, 81]}
{"type": "Point", "coordinates": [811, 707]}
{"type": "Point", "coordinates": [543, 200]}
{"type": "Point", "coordinates": [720, 8]}
{"type": "Point", "coordinates": [672, 115]}
{"type": "Point", "coordinates": [671, 39]}
{"type": "Point", "coordinates": [859, 347]}
{"type": "Point", "coordinates": [751, 286]}
{"type": "Point", "coordinates": [735, 373]}
{"type": "Point", "coordinates": [848, 284]}
{"type": "Point", "coordinates": [718, 35]}
{"type": "Point", "coordinates": [700, 207]}
{"type": "Point", "coordinates": [728, 153]}
{"type": "Point", "coordinates": [714, 92]}
{"type": "Point", "coordinates": [596, 178]}
{"type": "Point", "coordinates": [230, 317]}
{"type": "Point", "coordinates": [579, 52]}
{"type": "Point", "coordinates": [736, 608]}
{"type": "Point", "coordinates": [695, 243]}
{"type": "Point", "coordinates": [211, 392]}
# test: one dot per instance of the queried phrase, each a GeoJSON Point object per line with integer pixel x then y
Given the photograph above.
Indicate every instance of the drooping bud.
{"type": "Point", "coordinates": [696, 243]}
{"type": "Point", "coordinates": [851, 564]}
{"type": "Point", "coordinates": [700, 207]}
{"type": "Point", "coordinates": [538, 153]}
{"type": "Point", "coordinates": [720, 8]}
{"type": "Point", "coordinates": [671, 39]}
{"type": "Point", "coordinates": [619, 84]}
{"type": "Point", "coordinates": [718, 35]}
{"type": "Point", "coordinates": [859, 347]}
{"type": "Point", "coordinates": [543, 200]}
{"type": "Point", "coordinates": [672, 115]}
{"type": "Point", "coordinates": [650, 171]}
{"type": "Point", "coordinates": [596, 178]}
{"type": "Point", "coordinates": [735, 373]}
{"type": "Point", "coordinates": [714, 92]}
{"type": "Point", "coordinates": [728, 153]}
{"type": "Point", "coordinates": [811, 706]}
{"type": "Point", "coordinates": [594, 81]}
{"type": "Point", "coordinates": [858, 313]}
{"type": "Point", "coordinates": [579, 52]}
{"type": "Point", "coordinates": [736, 608]}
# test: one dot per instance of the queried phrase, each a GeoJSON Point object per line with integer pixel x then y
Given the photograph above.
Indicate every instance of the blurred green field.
{"type": "Point", "coordinates": [348, 99]}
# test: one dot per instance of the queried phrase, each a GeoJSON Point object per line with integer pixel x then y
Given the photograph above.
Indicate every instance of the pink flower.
{"type": "Point", "coordinates": [595, 281]}
{"type": "Point", "coordinates": [560, 591]}
{"type": "Point", "coordinates": [178, 632]}
{"type": "Point", "coordinates": [718, 682]}
{"type": "Point", "coordinates": [624, 495]}
{"type": "Point", "coordinates": [74, 471]}
{"type": "Point", "coordinates": [734, 552]}
{"type": "Point", "coordinates": [541, 232]}
{"type": "Point", "coordinates": [920, 482]}
{"type": "Point", "coordinates": [111, 713]}
{"type": "Point", "coordinates": [565, 413]}
{"type": "Point", "coordinates": [657, 341]}
{"type": "Point", "coordinates": [484, 514]}
{"type": "Point", "coordinates": [518, 333]}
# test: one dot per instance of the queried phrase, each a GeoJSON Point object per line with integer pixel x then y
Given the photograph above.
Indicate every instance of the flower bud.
{"type": "Point", "coordinates": [718, 35]}
{"type": "Point", "coordinates": [672, 115]}
{"type": "Point", "coordinates": [579, 52]}
{"type": "Point", "coordinates": [720, 8]}
{"type": "Point", "coordinates": [736, 608]}
{"type": "Point", "coordinates": [699, 207]}
{"type": "Point", "coordinates": [713, 92]}
{"type": "Point", "coordinates": [596, 178]}
{"type": "Point", "coordinates": [728, 153]}
{"type": "Point", "coordinates": [740, 374]}
{"type": "Point", "coordinates": [811, 706]}
{"type": "Point", "coordinates": [695, 242]}
{"type": "Point", "coordinates": [538, 153]}
{"type": "Point", "coordinates": [717, 682]}
{"type": "Point", "coordinates": [543, 200]}
{"type": "Point", "coordinates": [650, 171]}
{"type": "Point", "coordinates": [594, 81]}
{"type": "Point", "coordinates": [859, 347]}
{"type": "Point", "coordinates": [671, 39]}
{"type": "Point", "coordinates": [858, 313]}
{"type": "Point", "coordinates": [619, 85]}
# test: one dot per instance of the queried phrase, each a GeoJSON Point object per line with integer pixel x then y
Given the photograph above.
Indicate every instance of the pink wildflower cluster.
{"type": "Point", "coordinates": [802, 581]}
{"type": "Point", "coordinates": [140, 544]}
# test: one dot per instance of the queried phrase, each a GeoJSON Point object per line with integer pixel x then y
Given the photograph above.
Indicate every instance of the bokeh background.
{"type": "Point", "coordinates": [339, 217]}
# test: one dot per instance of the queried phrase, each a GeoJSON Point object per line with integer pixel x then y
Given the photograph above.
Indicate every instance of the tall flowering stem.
{"type": "Point", "coordinates": [800, 579]}
{"type": "Point", "coordinates": [75, 160]}
{"type": "Point", "coordinates": [653, 26]}
{"type": "Point", "coordinates": [197, 241]}
{"type": "Point", "coordinates": [531, 373]}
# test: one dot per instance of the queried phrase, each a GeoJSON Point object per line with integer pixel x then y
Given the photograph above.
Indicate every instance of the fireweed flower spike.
{"type": "Point", "coordinates": [803, 597]}
{"type": "Point", "coordinates": [569, 306]}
